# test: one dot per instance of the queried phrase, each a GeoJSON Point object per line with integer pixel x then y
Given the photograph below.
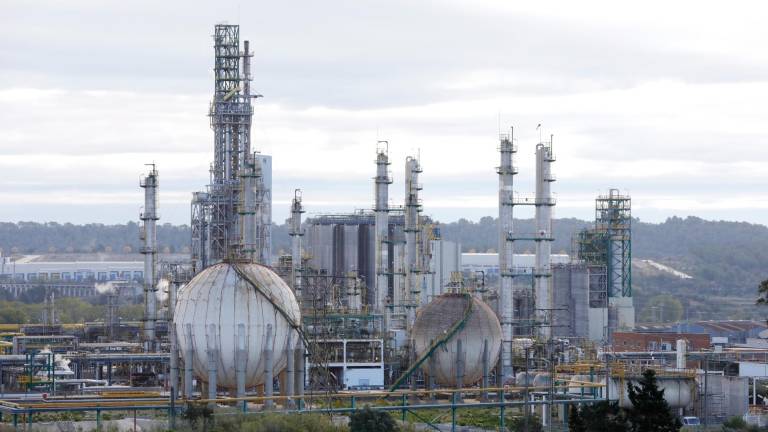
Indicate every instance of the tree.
{"type": "Point", "coordinates": [575, 421]}
{"type": "Point", "coordinates": [762, 289]}
{"type": "Point", "coordinates": [604, 417]}
{"type": "Point", "coordinates": [368, 420]}
{"type": "Point", "coordinates": [650, 412]}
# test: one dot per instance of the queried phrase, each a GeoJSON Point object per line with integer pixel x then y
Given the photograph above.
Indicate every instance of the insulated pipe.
{"type": "Point", "coordinates": [188, 361]}
{"type": "Point", "coordinates": [296, 234]}
{"type": "Point", "coordinates": [382, 182]}
{"type": "Point", "coordinates": [505, 308]}
{"type": "Point", "coordinates": [681, 354]}
{"type": "Point", "coordinates": [268, 364]}
{"type": "Point", "coordinates": [149, 234]}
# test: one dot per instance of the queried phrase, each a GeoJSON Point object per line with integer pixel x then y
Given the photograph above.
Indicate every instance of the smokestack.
{"type": "Point", "coordinates": [505, 307]}
{"type": "Point", "coordinates": [149, 234]}
{"type": "Point", "coordinates": [296, 234]}
{"type": "Point", "coordinates": [382, 181]}
{"type": "Point", "coordinates": [543, 271]}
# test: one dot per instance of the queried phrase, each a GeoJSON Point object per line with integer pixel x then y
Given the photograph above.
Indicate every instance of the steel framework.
{"type": "Point", "coordinates": [217, 215]}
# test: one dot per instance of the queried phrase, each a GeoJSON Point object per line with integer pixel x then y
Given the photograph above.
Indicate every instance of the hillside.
{"type": "Point", "coordinates": [726, 260]}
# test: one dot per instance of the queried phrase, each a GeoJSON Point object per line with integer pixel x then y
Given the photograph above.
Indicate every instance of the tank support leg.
{"type": "Point", "coordinates": [484, 396]}
{"type": "Point", "coordinates": [289, 385]}
{"type": "Point", "coordinates": [268, 376]}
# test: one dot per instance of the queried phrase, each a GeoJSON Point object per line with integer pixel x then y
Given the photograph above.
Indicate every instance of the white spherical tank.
{"type": "Point", "coordinates": [228, 295]}
{"type": "Point", "coordinates": [435, 320]}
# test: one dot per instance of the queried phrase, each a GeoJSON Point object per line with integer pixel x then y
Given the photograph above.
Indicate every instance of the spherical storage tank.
{"type": "Point", "coordinates": [435, 320]}
{"type": "Point", "coordinates": [228, 295]}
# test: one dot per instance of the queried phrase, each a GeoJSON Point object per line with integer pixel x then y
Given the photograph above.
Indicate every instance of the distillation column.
{"type": "Point", "coordinates": [296, 234]}
{"type": "Point", "coordinates": [381, 209]}
{"type": "Point", "coordinates": [505, 309]}
{"type": "Point", "coordinates": [543, 237]}
{"type": "Point", "coordinates": [247, 211]}
{"type": "Point", "coordinates": [149, 234]}
{"type": "Point", "coordinates": [411, 229]}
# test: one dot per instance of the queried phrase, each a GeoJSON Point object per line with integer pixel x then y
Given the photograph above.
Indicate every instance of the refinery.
{"type": "Point", "coordinates": [371, 307]}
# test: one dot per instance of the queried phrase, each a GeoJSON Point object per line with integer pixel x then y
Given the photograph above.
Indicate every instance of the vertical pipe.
{"type": "Point", "coordinates": [543, 273]}
{"type": "Point", "coordinates": [432, 372]}
{"type": "Point", "coordinates": [459, 369]}
{"type": "Point", "coordinates": [296, 234]}
{"type": "Point", "coordinates": [681, 353]}
{"type": "Point", "coordinates": [299, 369]}
{"type": "Point", "coordinates": [268, 372]}
{"type": "Point", "coordinates": [149, 234]}
{"type": "Point", "coordinates": [174, 360]}
{"type": "Point", "coordinates": [505, 310]}
{"type": "Point", "coordinates": [382, 182]}
{"type": "Point", "coordinates": [411, 229]}
{"type": "Point", "coordinates": [240, 358]}
{"type": "Point", "coordinates": [188, 355]}
{"type": "Point", "coordinates": [486, 368]}
{"type": "Point", "coordinates": [213, 361]}
{"type": "Point", "coordinates": [289, 372]}
{"type": "Point", "coordinates": [247, 211]}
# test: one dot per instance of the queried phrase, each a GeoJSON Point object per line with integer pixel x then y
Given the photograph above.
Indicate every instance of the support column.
{"type": "Point", "coordinates": [213, 361]}
{"type": "Point", "coordinates": [299, 369]}
{"type": "Point", "coordinates": [289, 372]}
{"type": "Point", "coordinates": [240, 358]}
{"type": "Point", "coordinates": [268, 375]}
{"type": "Point", "coordinates": [459, 370]}
{"type": "Point", "coordinates": [188, 362]}
{"type": "Point", "coordinates": [486, 367]}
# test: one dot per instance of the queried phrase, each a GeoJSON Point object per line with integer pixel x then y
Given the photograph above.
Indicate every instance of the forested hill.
{"type": "Point", "coordinates": [725, 256]}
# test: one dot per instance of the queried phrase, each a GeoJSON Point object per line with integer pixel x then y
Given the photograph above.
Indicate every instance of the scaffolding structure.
{"type": "Point", "coordinates": [217, 214]}
{"type": "Point", "coordinates": [609, 243]}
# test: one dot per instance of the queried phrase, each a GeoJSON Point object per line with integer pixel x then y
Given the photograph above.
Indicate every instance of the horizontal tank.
{"type": "Point", "coordinates": [678, 391]}
{"type": "Point", "coordinates": [435, 320]}
{"type": "Point", "coordinates": [228, 295]}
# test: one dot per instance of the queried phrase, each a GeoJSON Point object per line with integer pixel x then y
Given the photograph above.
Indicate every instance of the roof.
{"type": "Point", "coordinates": [733, 325]}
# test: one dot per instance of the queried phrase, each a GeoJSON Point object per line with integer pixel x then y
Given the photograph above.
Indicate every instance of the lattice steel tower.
{"type": "Point", "coordinates": [219, 226]}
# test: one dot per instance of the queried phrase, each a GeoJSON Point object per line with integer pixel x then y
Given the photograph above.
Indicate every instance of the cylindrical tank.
{"type": "Point", "coordinates": [219, 295]}
{"type": "Point", "coordinates": [435, 319]}
{"type": "Point", "coordinates": [542, 379]}
{"type": "Point", "coordinates": [678, 391]}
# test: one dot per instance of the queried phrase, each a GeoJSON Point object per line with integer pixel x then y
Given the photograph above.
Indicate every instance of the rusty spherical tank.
{"type": "Point", "coordinates": [435, 321]}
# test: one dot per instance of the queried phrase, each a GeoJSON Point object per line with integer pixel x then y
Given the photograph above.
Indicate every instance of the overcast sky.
{"type": "Point", "coordinates": [664, 100]}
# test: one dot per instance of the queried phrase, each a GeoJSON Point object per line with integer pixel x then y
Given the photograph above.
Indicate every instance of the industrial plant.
{"type": "Point", "coordinates": [371, 307]}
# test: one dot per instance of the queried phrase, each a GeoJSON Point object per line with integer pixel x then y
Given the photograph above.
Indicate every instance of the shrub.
{"type": "Point", "coordinates": [368, 420]}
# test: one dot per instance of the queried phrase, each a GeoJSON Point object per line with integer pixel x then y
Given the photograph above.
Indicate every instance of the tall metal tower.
{"type": "Point", "coordinates": [148, 234]}
{"type": "Point", "coordinates": [412, 229]}
{"type": "Point", "coordinates": [381, 209]}
{"type": "Point", "coordinates": [296, 234]}
{"type": "Point", "coordinates": [218, 213]}
{"type": "Point", "coordinates": [543, 271]}
{"type": "Point", "coordinates": [506, 171]}
{"type": "Point", "coordinates": [613, 220]}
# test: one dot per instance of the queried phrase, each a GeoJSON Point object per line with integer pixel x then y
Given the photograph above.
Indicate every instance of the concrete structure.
{"type": "Point", "coordinates": [488, 263]}
{"type": "Point", "coordinates": [216, 302]}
